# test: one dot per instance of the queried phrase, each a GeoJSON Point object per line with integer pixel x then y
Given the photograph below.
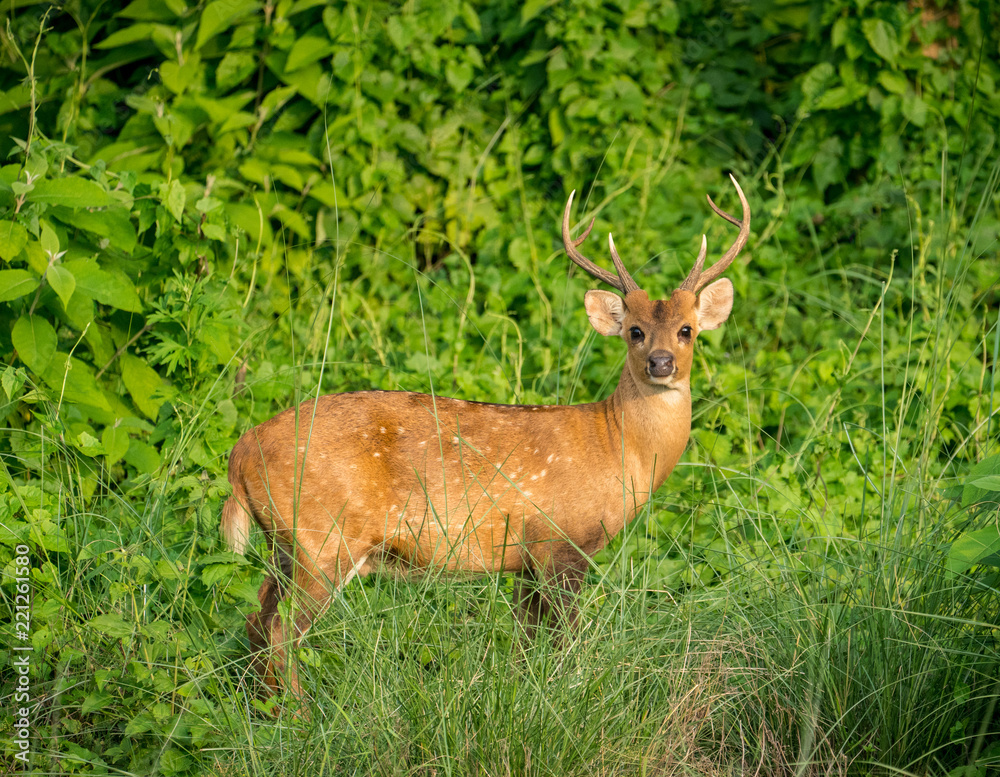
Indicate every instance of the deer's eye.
{"type": "Point", "coordinates": [685, 333]}
{"type": "Point", "coordinates": [636, 334]}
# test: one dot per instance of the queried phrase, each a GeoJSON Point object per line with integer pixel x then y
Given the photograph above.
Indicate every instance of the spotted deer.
{"type": "Point", "coordinates": [350, 483]}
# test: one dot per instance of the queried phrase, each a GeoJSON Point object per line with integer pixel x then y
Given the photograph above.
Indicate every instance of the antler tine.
{"type": "Point", "coordinates": [697, 278]}
{"type": "Point", "coordinates": [628, 285]}
{"type": "Point", "coordinates": [720, 266]}
{"type": "Point", "coordinates": [691, 282]}
{"type": "Point", "coordinates": [580, 259]}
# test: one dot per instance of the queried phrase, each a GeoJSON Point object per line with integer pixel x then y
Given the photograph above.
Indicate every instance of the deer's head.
{"type": "Point", "coordinates": [660, 334]}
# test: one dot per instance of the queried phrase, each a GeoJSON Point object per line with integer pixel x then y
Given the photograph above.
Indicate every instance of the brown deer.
{"type": "Point", "coordinates": [350, 483]}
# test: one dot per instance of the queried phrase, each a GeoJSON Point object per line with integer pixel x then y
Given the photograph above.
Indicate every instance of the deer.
{"type": "Point", "coordinates": [350, 483]}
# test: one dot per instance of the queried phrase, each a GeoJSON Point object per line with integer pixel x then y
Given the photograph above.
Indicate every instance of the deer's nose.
{"type": "Point", "coordinates": [660, 364]}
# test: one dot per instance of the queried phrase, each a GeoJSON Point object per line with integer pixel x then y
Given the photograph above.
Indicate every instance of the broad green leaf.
{"type": "Point", "coordinates": [62, 282]}
{"type": "Point", "coordinates": [36, 341]}
{"type": "Point", "coordinates": [234, 68]}
{"type": "Point", "coordinates": [149, 10]}
{"type": "Point", "coordinates": [987, 483]}
{"type": "Point", "coordinates": [142, 383]}
{"type": "Point", "coordinates": [972, 548]}
{"type": "Point", "coordinates": [96, 701]}
{"type": "Point", "coordinates": [107, 287]}
{"type": "Point", "coordinates": [532, 8]}
{"type": "Point", "coordinates": [112, 224]}
{"type": "Point", "coordinates": [306, 50]}
{"type": "Point", "coordinates": [882, 37]}
{"type": "Point", "coordinates": [219, 16]}
{"type": "Point", "coordinates": [111, 624]}
{"type": "Point", "coordinates": [49, 239]}
{"type": "Point", "coordinates": [458, 74]}
{"type": "Point", "coordinates": [71, 192]}
{"type": "Point", "coordinates": [115, 440]}
{"type": "Point", "coordinates": [174, 200]}
{"type": "Point", "coordinates": [13, 237]}
{"type": "Point", "coordinates": [12, 381]}
{"type": "Point", "coordinates": [972, 493]}
{"type": "Point", "coordinates": [893, 82]}
{"type": "Point", "coordinates": [142, 456]}
{"type": "Point", "coordinates": [74, 381]}
{"type": "Point", "coordinates": [133, 33]}
{"type": "Point", "coordinates": [16, 283]}
{"type": "Point", "coordinates": [213, 573]}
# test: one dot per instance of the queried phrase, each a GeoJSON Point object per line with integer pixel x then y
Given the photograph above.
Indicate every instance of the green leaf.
{"type": "Point", "coordinates": [987, 483]}
{"type": "Point", "coordinates": [16, 283]}
{"type": "Point", "coordinates": [96, 701]}
{"type": "Point", "coordinates": [972, 548]}
{"type": "Point", "coordinates": [112, 224]}
{"type": "Point", "coordinates": [219, 16]}
{"type": "Point", "coordinates": [175, 199]}
{"type": "Point", "coordinates": [108, 288]}
{"type": "Point", "coordinates": [972, 493]}
{"type": "Point", "coordinates": [458, 75]}
{"type": "Point", "coordinates": [115, 440]}
{"type": "Point", "coordinates": [142, 383]}
{"type": "Point", "coordinates": [111, 624]}
{"type": "Point", "coordinates": [234, 67]}
{"type": "Point", "coordinates": [306, 50]}
{"type": "Point", "coordinates": [882, 37]}
{"type": "Point", "coordinates": [62, 282]}
{"type": "Point", "coordinates": [13, 238]}
{"type": "Point", "coordinates": [35, 340]}
{"type": "Point", "coordinates": [893, 82]}
{"type": "Point", "coordinates": [150, 10]}
{"type": "Point", "coordinates": [213, 573]}
{"type": "Point", "coordinates": [133, 33]}
{"type": "Point", "coordinates": [49, 239]}
{"type": "Point", "coordinates": [532, 8]}
{"type": "Point", "coordinates": [142, 456]}
{"type": "Point", "coordinates": [74, 381]}
{"type": "Point", "coordinates": [72, 192]}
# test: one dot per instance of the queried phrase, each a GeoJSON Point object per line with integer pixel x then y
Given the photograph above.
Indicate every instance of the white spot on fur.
{"type": "Point", "coordinates": [400, 429]}
{"type": "Point", "coordinates": [354, 466]}
{"type": "Point", "coordinates": [382, 429]}
{"type": "Point", "coordinates": [536, 450]}
{"type": "Point", "coordinates": [549, 459]}
{"type": "Point", "coordinates": [365, 435]}
{"type": "Point", "coordinates": [534, 477]}
{"type": "Point", "coordinates": [543, 471]}
{"type": "Point", "coordinates": [376, 455]}
{"type": "Point", "coordinates": [454, 440]}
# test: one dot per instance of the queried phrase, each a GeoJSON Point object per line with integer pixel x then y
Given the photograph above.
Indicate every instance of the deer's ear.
{"type": "Point", "coordinates": [714, 304]}
{"type": "Point", "coordinates": [605, 311]}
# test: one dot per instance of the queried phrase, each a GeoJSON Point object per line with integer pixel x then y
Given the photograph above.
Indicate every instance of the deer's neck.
{"type": "Point", "coordinates": [651, 425]}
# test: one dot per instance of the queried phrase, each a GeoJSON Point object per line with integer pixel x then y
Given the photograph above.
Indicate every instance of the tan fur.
{"type": "Point", "coordinates": [355, 482]}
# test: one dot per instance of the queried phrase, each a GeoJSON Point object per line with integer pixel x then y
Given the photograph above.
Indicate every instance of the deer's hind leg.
{"type": "Point", "coordinates": [314, 584]}
{"type": "Point", "coordinates": [260, 623]}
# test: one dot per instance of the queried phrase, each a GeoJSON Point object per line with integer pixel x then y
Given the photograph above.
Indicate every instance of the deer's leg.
{"type": "Point", "coordinates": [315, 583]}
{"type": "Point", "coordinates": [559, 568]}
{"type": "Point", "coordinates": [260, 623]}
{"type": "Point", "coordinates": [529, 607]}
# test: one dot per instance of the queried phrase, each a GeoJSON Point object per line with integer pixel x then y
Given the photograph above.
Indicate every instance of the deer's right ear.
{"type": "Point", "coordinates": [605, 310]}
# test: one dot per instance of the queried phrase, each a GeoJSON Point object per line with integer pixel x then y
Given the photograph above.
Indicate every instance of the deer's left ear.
{"type": "Point", "coordinates": [714, 304]}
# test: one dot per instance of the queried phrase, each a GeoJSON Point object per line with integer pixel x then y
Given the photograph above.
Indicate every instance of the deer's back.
{"type": "Point", "coordinates": [436, 481]}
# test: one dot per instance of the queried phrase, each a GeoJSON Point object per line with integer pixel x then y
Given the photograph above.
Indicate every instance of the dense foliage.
{"type": "Point", "coordinates": [208, 212]}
